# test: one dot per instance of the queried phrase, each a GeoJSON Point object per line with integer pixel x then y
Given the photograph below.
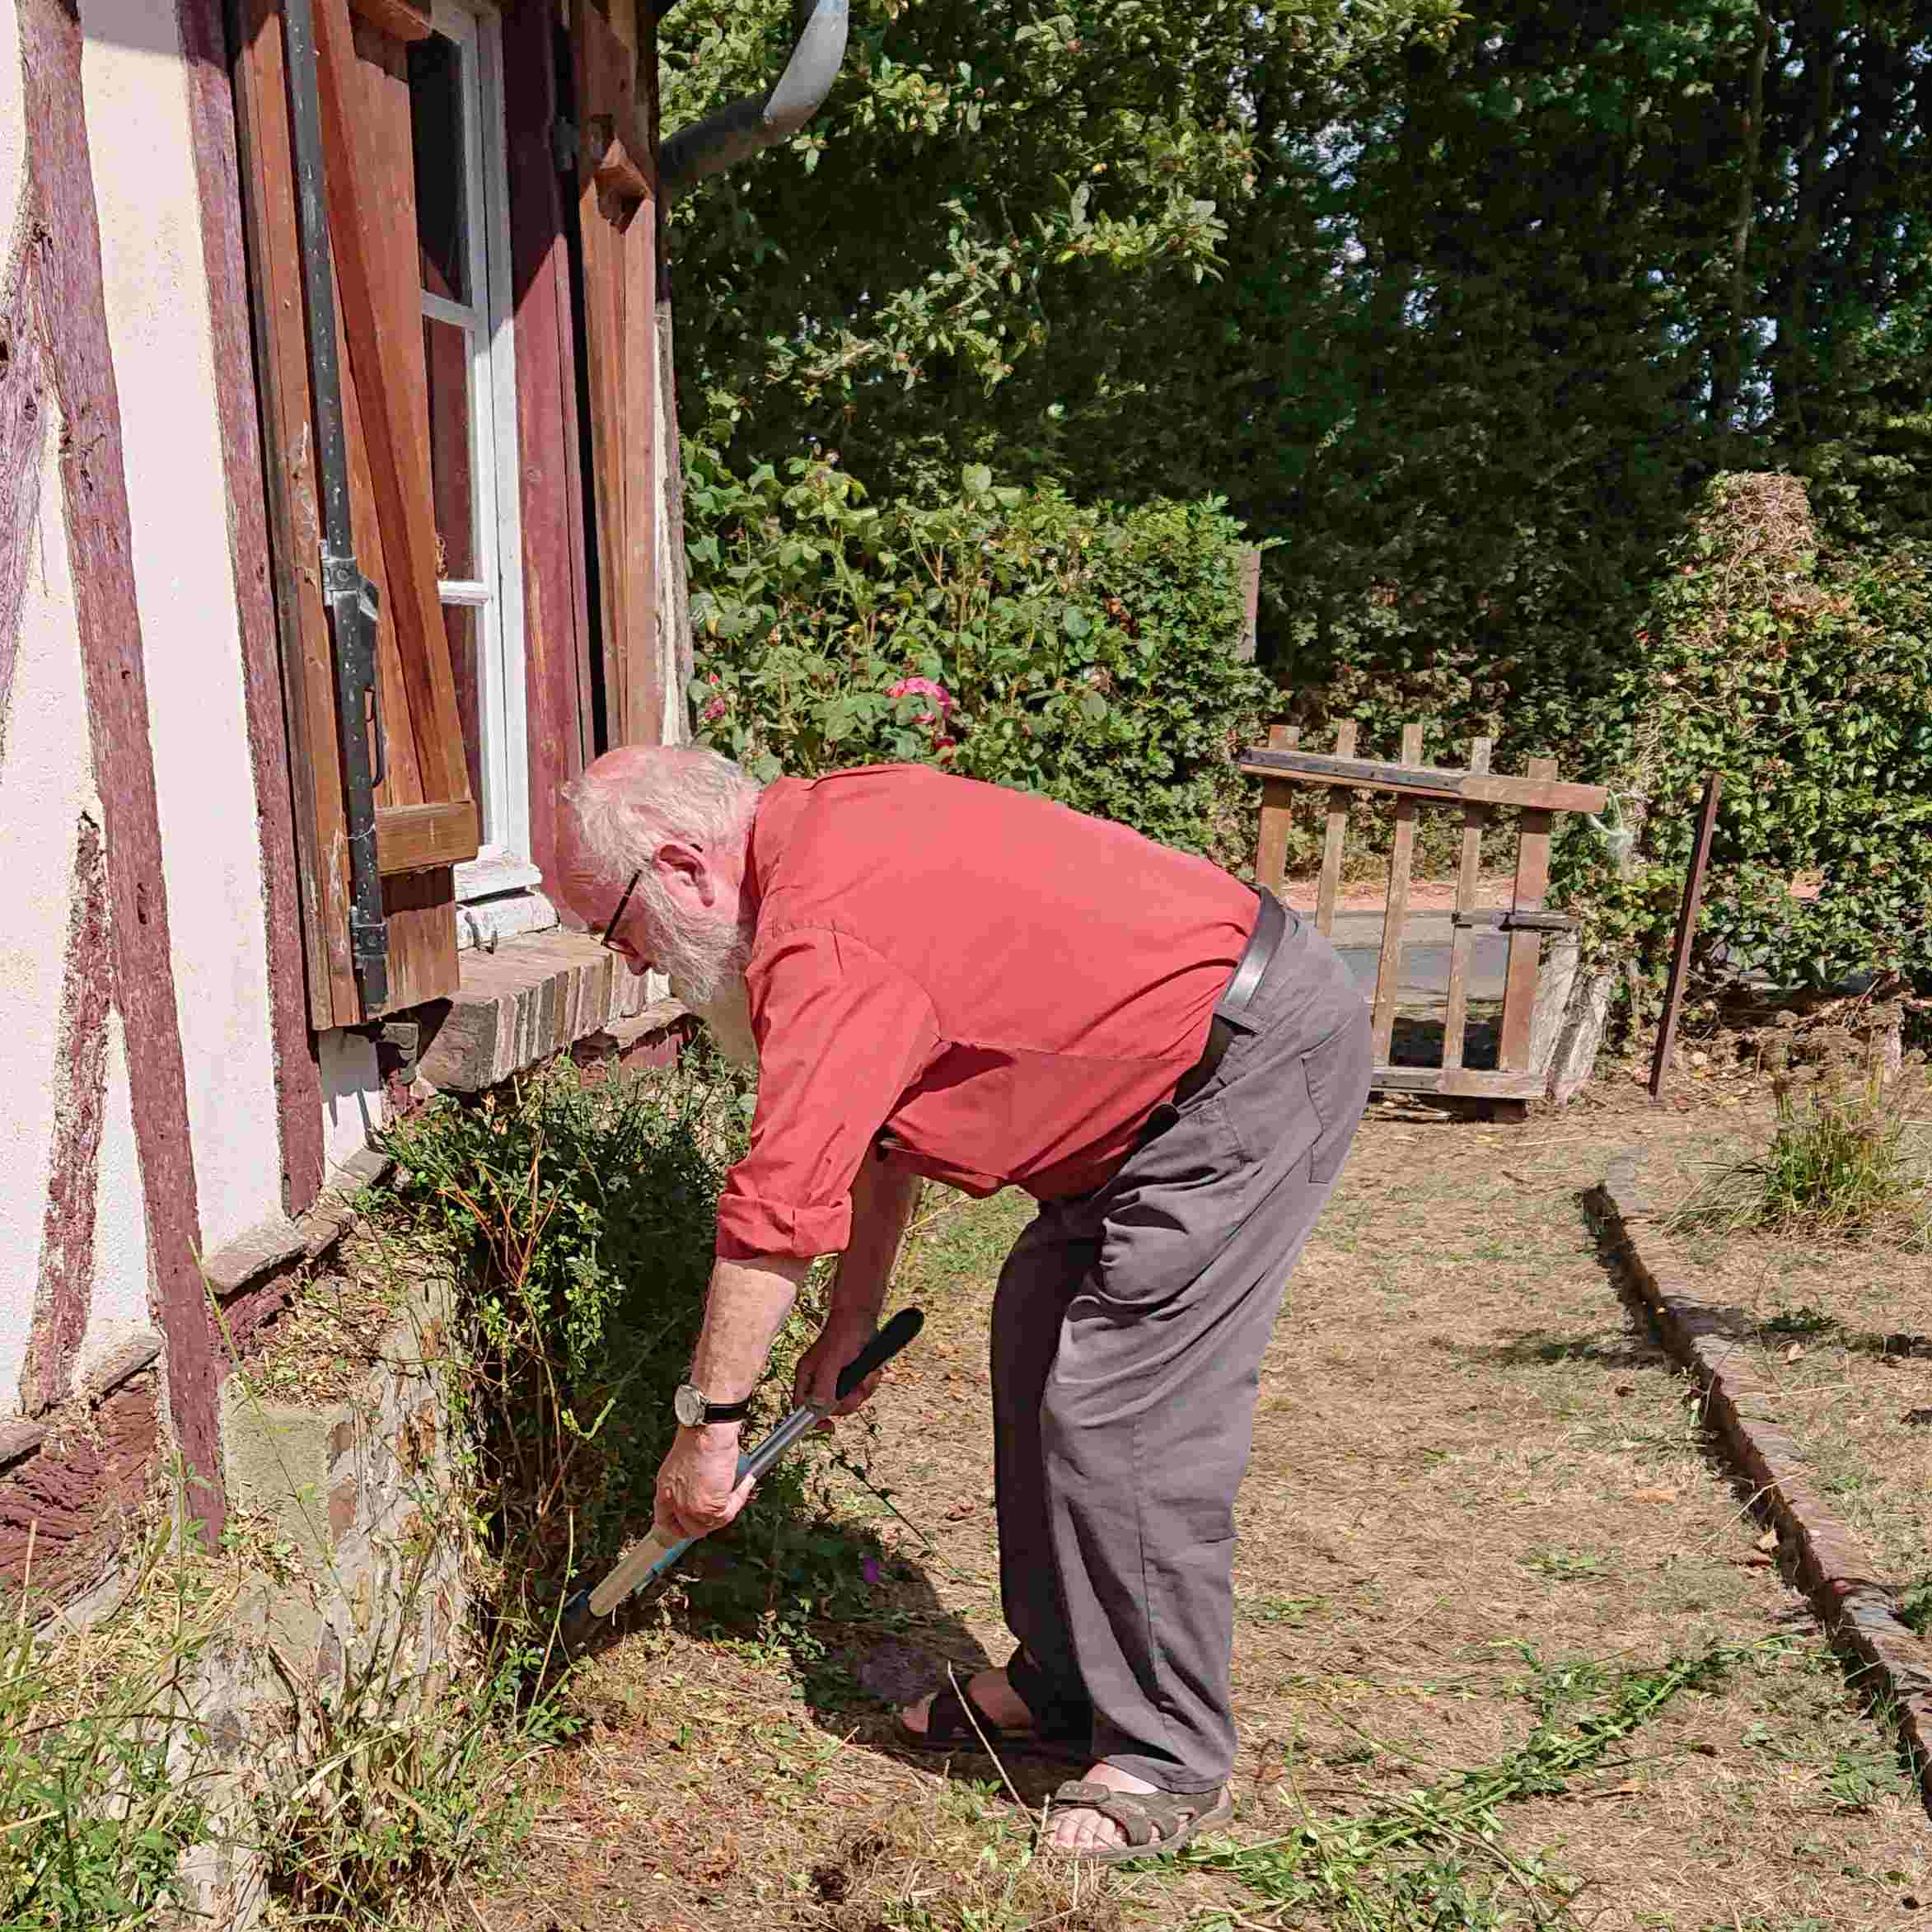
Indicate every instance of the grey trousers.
{"type": "Point", "coordinates": [1128, 1331]}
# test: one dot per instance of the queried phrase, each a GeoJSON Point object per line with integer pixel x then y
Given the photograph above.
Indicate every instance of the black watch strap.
{"type": "Point", "coordinates": [727, 1411]}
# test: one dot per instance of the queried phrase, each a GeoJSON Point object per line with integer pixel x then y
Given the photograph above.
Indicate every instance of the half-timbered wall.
{"type": "Point", "coordinates": [168, 1094]}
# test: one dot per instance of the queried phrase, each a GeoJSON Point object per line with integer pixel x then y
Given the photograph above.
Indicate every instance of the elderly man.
{"type": "Point", "coordinates": [953, 980]}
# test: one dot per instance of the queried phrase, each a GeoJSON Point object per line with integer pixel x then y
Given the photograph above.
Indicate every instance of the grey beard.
{"type": "Point", "coordinates": [727, 1015]}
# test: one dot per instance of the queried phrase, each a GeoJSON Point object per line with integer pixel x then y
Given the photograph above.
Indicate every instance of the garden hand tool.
{"type": "Point", "coordinates": [585, 1611]}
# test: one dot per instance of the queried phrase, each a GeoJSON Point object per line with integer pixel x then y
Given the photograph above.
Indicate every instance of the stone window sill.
{"type": "Point", "coordinates": [531, 999]}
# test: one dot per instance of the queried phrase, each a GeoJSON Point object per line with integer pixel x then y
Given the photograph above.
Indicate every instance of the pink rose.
{"type": "Point", "coordinates": [716, 709]}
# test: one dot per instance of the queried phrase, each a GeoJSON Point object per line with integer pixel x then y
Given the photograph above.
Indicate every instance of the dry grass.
{"type": "Point", "coordinates": [1478, 1490]}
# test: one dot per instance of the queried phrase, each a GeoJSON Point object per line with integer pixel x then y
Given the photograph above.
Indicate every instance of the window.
{"type": "Point", "coordinates": [462, 224]}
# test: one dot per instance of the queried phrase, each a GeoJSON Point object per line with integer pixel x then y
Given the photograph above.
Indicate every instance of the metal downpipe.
{"type": "Point", "coordinates": [746, 127]}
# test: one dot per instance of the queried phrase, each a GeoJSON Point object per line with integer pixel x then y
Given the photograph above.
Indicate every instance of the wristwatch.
{"type": "Point", "coordinates": [693, 1409]}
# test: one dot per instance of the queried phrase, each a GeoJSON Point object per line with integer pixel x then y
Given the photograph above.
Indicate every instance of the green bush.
{"type": "Point", "coordinates": [1803, 676]}
{"type": "Point", "coordinates": [1009, 635]}
{"type": "Point", "coordinates": [578, 1227]}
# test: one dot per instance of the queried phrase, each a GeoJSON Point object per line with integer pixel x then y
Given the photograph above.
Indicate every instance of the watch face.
{"type": "Point", "coordinates": [688, 1405]}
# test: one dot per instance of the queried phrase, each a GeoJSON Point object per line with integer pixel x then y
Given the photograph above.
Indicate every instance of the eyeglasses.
{"type": "Point", "coordinates": [604, 940]}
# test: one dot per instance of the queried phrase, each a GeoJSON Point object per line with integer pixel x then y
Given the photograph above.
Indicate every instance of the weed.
{"type": "Point", "coordinates": [1433, 1858]}
{"type": "Point", "coordinates": [99, 1793]}
{"type": "Point", "coordinates": [397, 1792]}
{"type": "Point", "coordinates": [1858, 1778]}
{"type": "Point", "coordinates": [1915, 1606]}
{"type": "Point", "coordinates": [1568, 1566]}
{"type": "Point", "coordinates": [1805, 1320]}
{"type": "Point", "coordinates": [1292, 1611]}
{"type": "Point", "coordinates": [1845, 1162]}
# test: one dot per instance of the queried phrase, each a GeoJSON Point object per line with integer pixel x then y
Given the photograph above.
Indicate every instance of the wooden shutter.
{"type": "Point", "coordinates": [617, 210]}
{"type": "Point", "coordinates": [426, 819]}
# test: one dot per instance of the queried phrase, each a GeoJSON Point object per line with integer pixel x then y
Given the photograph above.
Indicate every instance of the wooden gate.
{"type": "Point", "coordinates": [1538, 796]}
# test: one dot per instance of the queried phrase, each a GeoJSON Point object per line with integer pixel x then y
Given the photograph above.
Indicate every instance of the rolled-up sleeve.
{"type": "Point", "coordinates": [841, 1034]}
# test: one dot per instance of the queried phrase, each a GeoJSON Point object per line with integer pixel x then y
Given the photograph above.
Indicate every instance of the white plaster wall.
{"type": "Point", "coordinates": [46, 782]}
{"type": "Point", "coordinates": [134, 84]}
{"type": "Point", "coordinates": [121, 1299]}
{"type": "Point", "coordinates": [13, 133]}
{"type": "Point", "coordinates": [352, 1094]}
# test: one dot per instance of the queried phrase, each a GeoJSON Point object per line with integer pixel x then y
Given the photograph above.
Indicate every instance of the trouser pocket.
{"type": "Point", "coordinates": [1337, 1071]}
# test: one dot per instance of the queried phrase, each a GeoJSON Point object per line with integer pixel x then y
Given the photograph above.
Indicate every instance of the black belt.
{"type": "Point", "coordinates": [1270, 925]}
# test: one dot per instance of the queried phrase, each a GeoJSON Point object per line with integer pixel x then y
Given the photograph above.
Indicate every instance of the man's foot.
{"type": "Point", "coordinates": [992, 1696]}
{"type": "Point", "coordinates": [1079, 1830]}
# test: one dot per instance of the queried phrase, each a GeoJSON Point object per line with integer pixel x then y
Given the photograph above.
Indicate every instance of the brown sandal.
{"type": "Point", "coordinates": [1156, 1822]}
{"type": "Point", "coordinates": [957, 1722]}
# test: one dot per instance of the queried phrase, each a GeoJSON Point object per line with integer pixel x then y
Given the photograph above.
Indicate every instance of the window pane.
{"type": "Point", "coordinates": [460, 621]}
{"type": "Point", "coordinates": [446, 364]}
{"type": "Point", "coordinates": [436, 121]}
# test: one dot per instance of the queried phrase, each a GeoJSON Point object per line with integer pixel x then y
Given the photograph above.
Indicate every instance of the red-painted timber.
{"type": "Point", "coordinates": [66, 1236]}
{"type": "Point", "coordinates": [555, 596]}
{"type": "Point", "coordinates": [72, 317]}
{"type": "Point", "coordinates": [69, 1502]}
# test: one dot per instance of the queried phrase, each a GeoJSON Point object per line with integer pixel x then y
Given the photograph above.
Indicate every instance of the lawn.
{"type": "Point", "coordinates": [1509, 1652]}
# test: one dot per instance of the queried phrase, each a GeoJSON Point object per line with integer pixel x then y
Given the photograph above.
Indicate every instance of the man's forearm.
{"type": "Point", "coordinates": [882, 1200]}
{"type": "Point", "coordinates": [747, 1304]}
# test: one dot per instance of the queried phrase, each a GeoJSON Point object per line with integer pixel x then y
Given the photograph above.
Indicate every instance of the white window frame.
{"type": "Point", "coordinates": [502, 865]}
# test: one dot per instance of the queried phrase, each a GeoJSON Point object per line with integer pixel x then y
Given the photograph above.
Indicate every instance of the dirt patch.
{"type": "Point", "coordinates": [1481, 1519]}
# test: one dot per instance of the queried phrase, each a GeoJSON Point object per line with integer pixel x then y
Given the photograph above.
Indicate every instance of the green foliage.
{"type": "Point", "coordinates": [1847, 1160]}
{"type": "Point", "coordinates": [394, 1793]}
{"type": "Point", "coordinates": [1461, 308]}
{"type": "Point", "coordinates": [970, 253]}
{"type": "Point", "coordinates": [98, 1794]}
{"type": "Point", "coordinates": [1434, 1858]}
{"type": "Point", "coordinates": [1804, 678]}
{"type": "Point", "coordinates": [1084, 653]}
{"type": "Point", "coordinates": [579, 1227]}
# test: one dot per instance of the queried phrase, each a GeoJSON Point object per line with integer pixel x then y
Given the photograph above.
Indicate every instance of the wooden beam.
{"type": "Point", "coordinates": [1463, 942]}
{"type": "Point", "coordinates": [1277, 806]}
{"type": "Point", "coordinates": [1335, 835]}
{"type": "Point", "coordinates": [1532, 881]}
{"type": "Point", "coordinates": [1423, 781]}
{"type": "Point", "coordinates": [68, 304]}
{"type": "Point", "coordinates": [1389, 973]}
{"type": "Point", "coordinates": [1455, 1082]}
{"type": "Point", "coordinates": [409, 838]}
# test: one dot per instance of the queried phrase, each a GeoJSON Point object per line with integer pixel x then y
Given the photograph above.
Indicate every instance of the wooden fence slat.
{"type": "Point", "coordinates": [1423, 781]}
{"type": "Point", "coordinates": [1389, 973]}
{"type": "Point", "coordinates": [1532, 881]}
{"type": "Point", "coordinates": [1277, 806]}
{"type": "Point", "coordinates": [1337, 831]}
{"type": "Point", "coordinates": [1463, 943]}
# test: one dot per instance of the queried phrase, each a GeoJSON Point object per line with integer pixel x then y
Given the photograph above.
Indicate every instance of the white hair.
{"type": "Point", "coordinates": [630, 803]}
{"type": "Point", "coordinates": [618, 817]}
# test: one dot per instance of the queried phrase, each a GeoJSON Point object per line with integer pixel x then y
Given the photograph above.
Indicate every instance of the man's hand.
{"type": "Point", "coordinates": [695, 1485]}
{"type": "Point", "coordinates": [817, 1377]}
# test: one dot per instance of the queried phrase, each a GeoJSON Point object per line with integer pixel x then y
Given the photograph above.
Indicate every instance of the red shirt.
{"type": "Point", "coordinates": [1001, 988]}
